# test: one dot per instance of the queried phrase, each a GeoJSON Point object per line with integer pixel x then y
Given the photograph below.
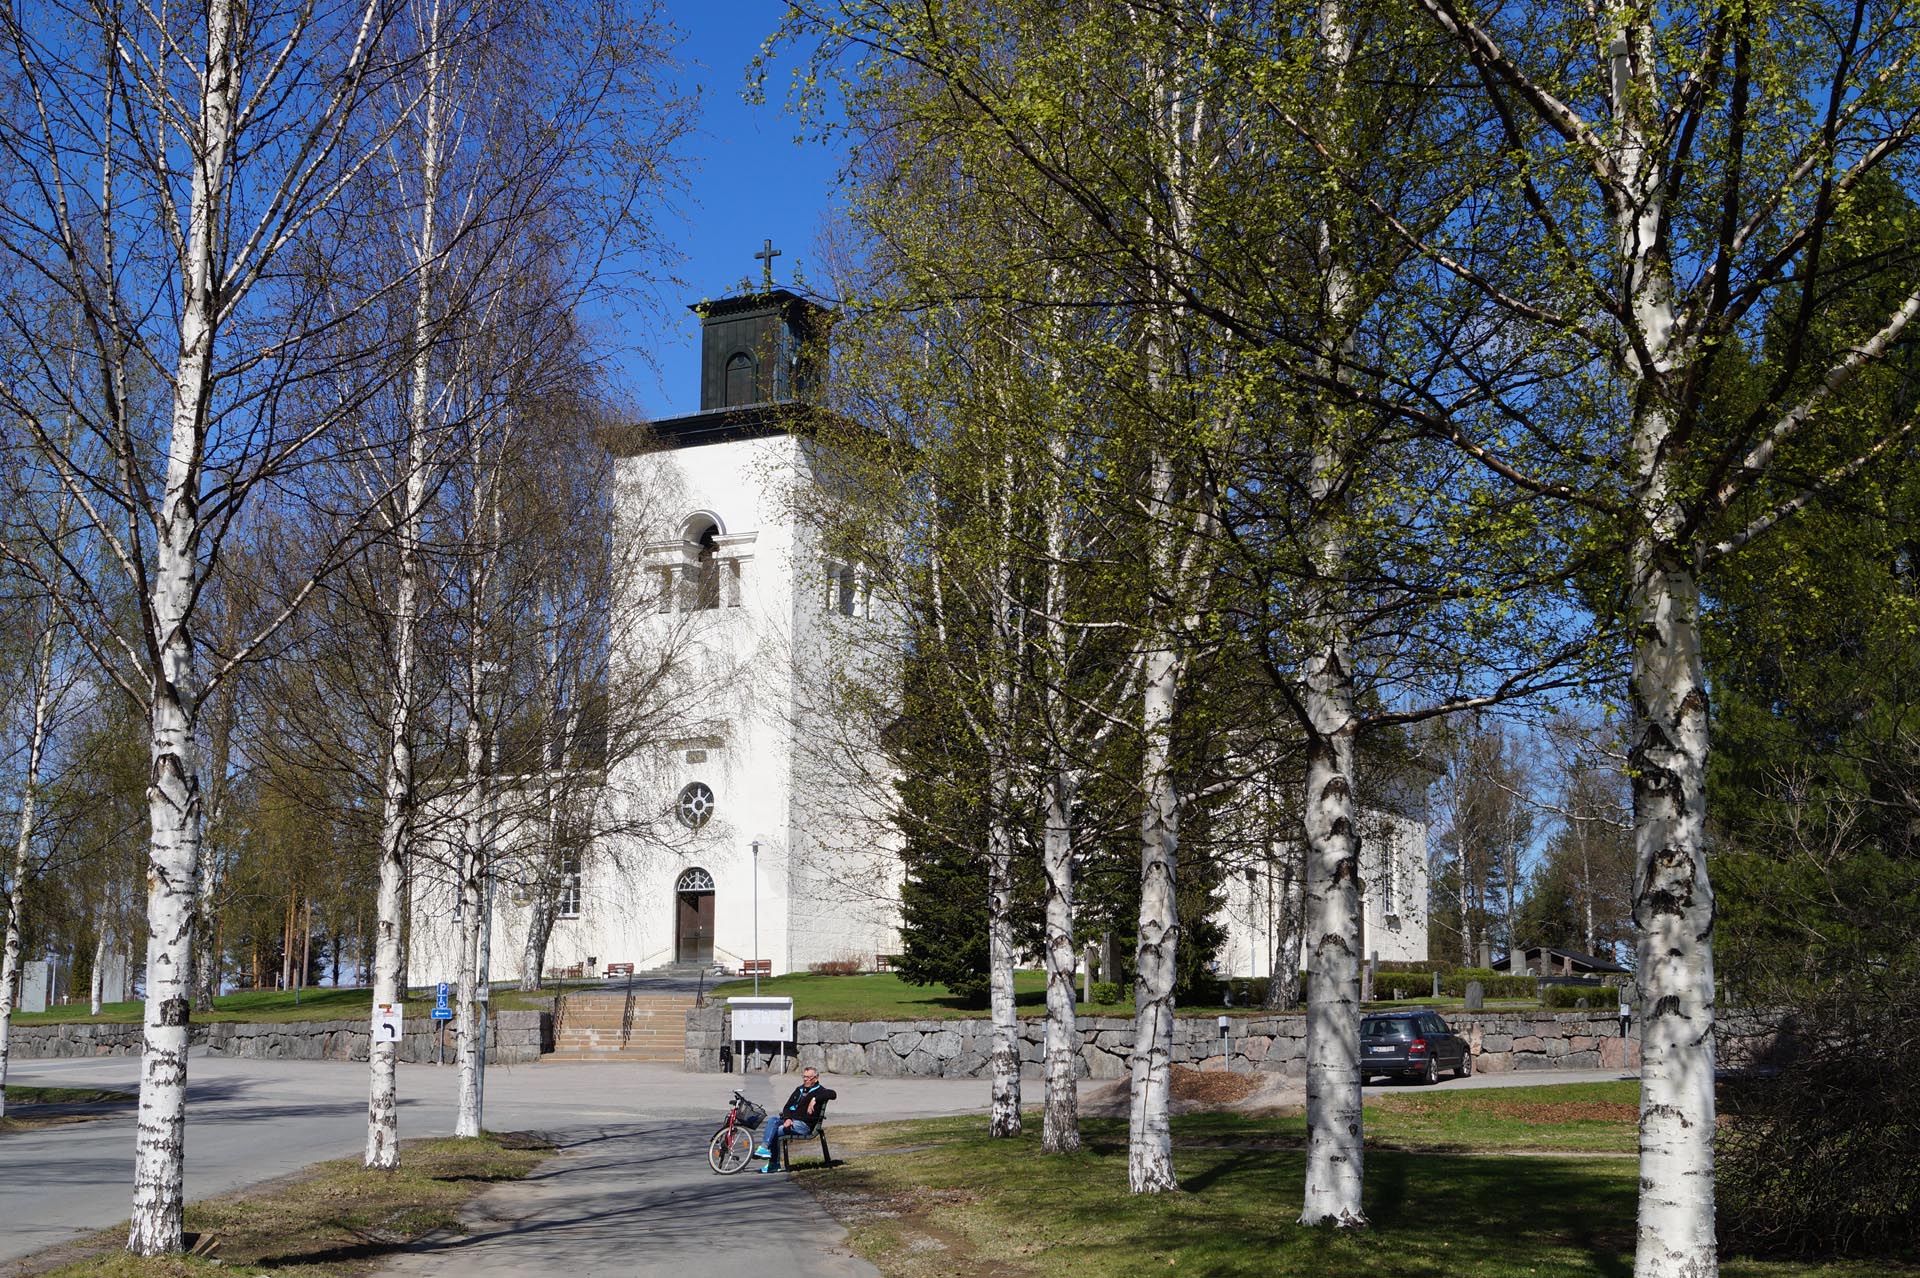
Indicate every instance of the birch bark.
{"type": "Point", "coordinates": [1335, 1141]}
{"type": "Point", "coordinates": [1149, 1123]}
{"type": "Point", "coordinates": [397, 797]}
{"type": "Point", "coordinates": [1004, 1117]}
{"type": "Point", "coordinates": [1060, 1128]}
{"type": "Point", "coordinates": [173, 792]}
{"type": "Point", "coordinates": [37, 725]}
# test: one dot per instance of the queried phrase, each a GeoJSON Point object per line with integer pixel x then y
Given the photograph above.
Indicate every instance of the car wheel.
{"type": "Point", "coordinates": [1432, 1074]}
{"type": "Point", "coordinates": [1466, 1064]}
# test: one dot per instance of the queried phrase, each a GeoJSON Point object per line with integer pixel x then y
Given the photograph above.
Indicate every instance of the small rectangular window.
{"type": "Point", "coordinates": [567, 897]}
{"type": "Point", "coordinates": [696, 756]}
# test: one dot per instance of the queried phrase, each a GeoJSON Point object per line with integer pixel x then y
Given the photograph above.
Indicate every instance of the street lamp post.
{"type": "Point", "coordinates": [756, 918]}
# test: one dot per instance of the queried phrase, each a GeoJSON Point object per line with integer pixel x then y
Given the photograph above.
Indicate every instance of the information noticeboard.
{"type": "Point", "coordinates": [767, 1019]}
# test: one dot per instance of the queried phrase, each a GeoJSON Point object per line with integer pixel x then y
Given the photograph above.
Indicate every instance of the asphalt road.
{"type": "Point", "coordinates": [251, 1120]}
{"type": "Point", "coordinates": [631, 1192]}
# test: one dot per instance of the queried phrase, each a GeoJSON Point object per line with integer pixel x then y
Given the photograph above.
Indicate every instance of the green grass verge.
{"type": "Point", "coordinates": [952, 1201]}
{"type": "Point", "coordinates": [883, 996]}
{"type": "Point", "coordinates": [20, 1094]}
{"type": "Point", "coordinates": [32, 1113]}
{"type": "Point", "coordinates": [275, 1006]}
{"type": "Point", "coordinates": [333, 1220]}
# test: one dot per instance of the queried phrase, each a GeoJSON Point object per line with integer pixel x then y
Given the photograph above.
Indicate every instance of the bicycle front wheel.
{"type": "Point", "coordinates": [730, 1150]}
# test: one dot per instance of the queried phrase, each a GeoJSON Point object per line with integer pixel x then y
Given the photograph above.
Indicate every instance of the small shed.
{"type": "Point", "coordinates": [1547, 960]}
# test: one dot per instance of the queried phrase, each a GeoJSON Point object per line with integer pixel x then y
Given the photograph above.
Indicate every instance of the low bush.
{"type": "Point", "coordinates": [1106, 993]}
{"type": "Point", "coordinates": [1570, 996]}
{"type": "Point", "coordinates": [1424, 968]}
{"type": "Point", "coordinates": [1493, 984]}
{"type": "Point", "coordinates": [835, 967]}
{"type": "Point", "coordinates": [1815, 1144]}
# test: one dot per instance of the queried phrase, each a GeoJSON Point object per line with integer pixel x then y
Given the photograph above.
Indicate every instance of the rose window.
{"type": "Point", "coordinates": [694, 807]}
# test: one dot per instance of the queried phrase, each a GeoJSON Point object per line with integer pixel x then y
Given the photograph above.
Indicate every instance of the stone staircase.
{"type": "Point", "coordinates": [614, 1025]}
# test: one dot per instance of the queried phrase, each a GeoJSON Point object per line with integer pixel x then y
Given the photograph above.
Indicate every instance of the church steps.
{"type": "Point", "coordinates": [613, 1025]}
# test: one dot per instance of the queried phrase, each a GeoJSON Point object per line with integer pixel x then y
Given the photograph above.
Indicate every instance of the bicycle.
{"type": "Point", "coordinates": [731, 1148]}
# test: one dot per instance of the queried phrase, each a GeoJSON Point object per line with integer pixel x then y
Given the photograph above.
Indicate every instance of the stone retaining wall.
{"type": "Point", "coordinates": [1502, 1041]}
{"type": "Point", "coordinates": [513, 1037]}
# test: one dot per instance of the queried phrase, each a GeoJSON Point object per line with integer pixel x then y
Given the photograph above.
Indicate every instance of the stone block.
{"type": "Point", "coordinates": [920, 1063]}
{"type": "Point", "coordinates": [845, 1058]}
{"type": "Point", "coordinates": [881, 1061]}
{"type": "Point", "coordinates": [864, 1032]}
{"type": "Point", "coordinates": [1104, 1065]}
{"type": "Point", "coordinates": [805, 1032]}
{"type": "Point", "coordinates": [904, 1042]}
{"type": "Point", "coordinates": [944, 1044]}
{"type": "Point", "coordinates": [1498, 1044]}
{"type": "Point", "coordinates": [1532, 1044]}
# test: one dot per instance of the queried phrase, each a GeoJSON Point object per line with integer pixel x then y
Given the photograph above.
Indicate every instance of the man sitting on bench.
{"type": "Point", "coordinates": [800, 1116]}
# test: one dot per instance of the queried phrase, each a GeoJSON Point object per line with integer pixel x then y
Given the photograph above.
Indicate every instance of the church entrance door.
{"type": "Point", "coordinates": [693, 917]}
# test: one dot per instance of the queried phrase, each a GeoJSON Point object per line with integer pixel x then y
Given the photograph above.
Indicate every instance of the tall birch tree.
{"type": "Point", "coordinates": [1664, 185]}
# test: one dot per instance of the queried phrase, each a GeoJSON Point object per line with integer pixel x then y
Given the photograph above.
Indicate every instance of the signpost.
{"type": "Point", "coordinates": [441, 1015]}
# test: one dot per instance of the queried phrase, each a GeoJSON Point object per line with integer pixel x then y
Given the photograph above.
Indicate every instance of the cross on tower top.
{"type": "Point", "coordinates": [765, 257]}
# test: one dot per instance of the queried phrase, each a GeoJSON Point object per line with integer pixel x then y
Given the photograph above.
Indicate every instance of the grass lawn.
{"type": "Point", "coordinates": [34, 1097]}
{"type": "Point", "coordinates": [326, 1004]}
{"type": "Point", "coordinates": [333, 1220]}
{"type": "Point", "coordinates": [883, 996]}
{"type": "Point", "coordinates": [1443, 1201]}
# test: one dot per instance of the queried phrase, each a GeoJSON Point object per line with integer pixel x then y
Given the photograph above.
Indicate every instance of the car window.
{"type": "Point", "coordinates": [1383, 1028]}
{"type": "Point", "coordinates": [1436, 1026]}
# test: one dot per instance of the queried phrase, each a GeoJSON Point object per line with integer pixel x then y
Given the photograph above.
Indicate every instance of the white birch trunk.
{"type": "Point", "coordinates": [94, 985]}
{"type": "Point", "coordinates": [1673, 901]}
{"type": "Point", "coordinates": [397, 800]}
{"type": "Point", "coordinates": [22, 849]}
{"type": "Point", "coordinates": [1673, 908]}
{"type": "Point", "coordinates": [1004, 1116]}
{"type": "Point", "coordinates": [1331, 910]}
{"type": "Point", "coordinates": [472, 853]}
{"type": "Point", "coordinates": [474, 834]}
{"type": "Point", "coordinates": [1149, 1123]}
{"type": "Point", "coordinates": [1060, 1129]}
{"type": "Point", "coordinates": [173, 791]}
{"type": "Point", "coordinates": [1331, 913]}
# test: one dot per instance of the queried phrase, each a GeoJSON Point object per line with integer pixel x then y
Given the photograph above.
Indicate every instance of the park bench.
{"type": "Point", "coordinates": [819, 1133]}
{"type": "Point", "coordinates": [756, 967]}
{"type": "Point", "coordinates": [619, 969]}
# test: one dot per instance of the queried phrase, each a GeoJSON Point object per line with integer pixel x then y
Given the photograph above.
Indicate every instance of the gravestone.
{"type": "Point", "coordinates": [1436, 985]}
{"type": "Point", "coordinates": [1486, 955]}
{"type": "Point", "coordinates": [113, 978]}
{"type": "Point", "coordinates": [34, 982]}
{"type": "Point", "coordinates": [1476, 996]}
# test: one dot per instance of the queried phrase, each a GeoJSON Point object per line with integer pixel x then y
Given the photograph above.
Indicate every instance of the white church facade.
{"type": "Point", "coordinates": [754, 835]}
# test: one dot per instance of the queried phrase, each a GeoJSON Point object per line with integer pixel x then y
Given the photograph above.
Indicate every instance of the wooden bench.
{"type": "Point", "coordinates": [756, 967]}
{"type": "Point", "coordinates": [619, 969]}
{"type": "Point", "coordinates": [785, 1155]}
{"type": "Point", "coordinates": [883, 962]}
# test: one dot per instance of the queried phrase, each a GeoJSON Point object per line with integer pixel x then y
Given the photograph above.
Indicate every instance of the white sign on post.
{"type": "Point", "coordinates": [386, 1023]}
{"type": "Point", "coordinates": [767, 1019]}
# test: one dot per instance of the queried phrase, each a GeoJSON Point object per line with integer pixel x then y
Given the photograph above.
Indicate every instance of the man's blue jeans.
{"type": "Point", "coordinates": [773, 1132]}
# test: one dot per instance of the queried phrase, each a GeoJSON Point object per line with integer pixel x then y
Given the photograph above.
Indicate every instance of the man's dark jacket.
{"type": "Point", "coordinates": [808, 1104]}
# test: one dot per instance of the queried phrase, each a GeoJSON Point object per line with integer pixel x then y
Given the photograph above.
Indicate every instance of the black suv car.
{"type": "Point", "coordinates": [1416, 1044]}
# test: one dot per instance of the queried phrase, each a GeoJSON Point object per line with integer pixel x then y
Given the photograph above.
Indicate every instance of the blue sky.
{"type": "Point", "coordinates": [748, 181]}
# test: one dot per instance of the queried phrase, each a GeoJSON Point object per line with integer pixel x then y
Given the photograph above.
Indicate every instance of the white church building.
{"type": "Point", "coordinates": [746, 845]}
